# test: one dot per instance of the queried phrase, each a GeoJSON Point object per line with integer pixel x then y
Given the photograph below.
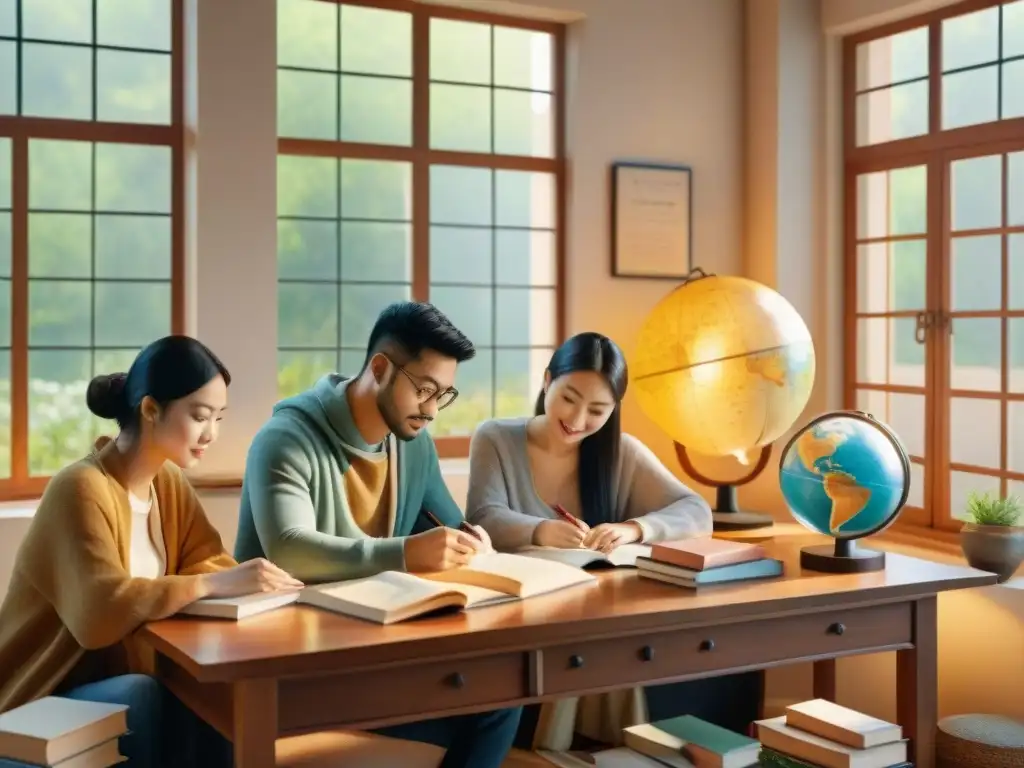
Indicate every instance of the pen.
{"type": "Point", "coordinates": [463, 525]}
{"type": "Point", "coordinates": [560, 511]}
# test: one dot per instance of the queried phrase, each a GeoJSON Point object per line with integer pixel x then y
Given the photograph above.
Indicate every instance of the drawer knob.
{"type": "Point", "coordinates": [836, 629]}
{"type": "Point", "coordinates": [647, 653]}
{"type": "Point", "coordinates": [707, 645]}
{"type": "Point", "coordinates": [575, 661]}
{"type": "Point", "coordinates": [457, 680]}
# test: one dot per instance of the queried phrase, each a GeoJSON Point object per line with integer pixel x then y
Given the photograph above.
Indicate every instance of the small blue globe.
{"type": "Point", "coordinates": [845, 475]}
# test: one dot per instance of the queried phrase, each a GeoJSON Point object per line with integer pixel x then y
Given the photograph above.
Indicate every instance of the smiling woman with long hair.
{"type": "Point", "coordinates": [119, 538]}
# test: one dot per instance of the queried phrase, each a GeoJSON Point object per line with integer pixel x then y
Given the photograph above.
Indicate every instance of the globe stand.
{"type": "Point", "coordinates": [726, 514]}
{"type": "Point", "coordinates": [843, 557]}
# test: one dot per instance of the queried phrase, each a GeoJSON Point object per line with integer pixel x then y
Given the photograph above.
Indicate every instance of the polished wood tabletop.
{"type": "Point", "coordinates": [298, 640]}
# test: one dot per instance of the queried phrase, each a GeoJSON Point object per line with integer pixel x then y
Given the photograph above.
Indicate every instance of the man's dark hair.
{"type": "Point", "coordinates": [413, 326]}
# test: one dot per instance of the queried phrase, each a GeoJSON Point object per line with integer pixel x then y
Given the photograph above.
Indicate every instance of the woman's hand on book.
{"type": "Point", "coordinates": [250, 577]}
{"type": "Point", "coordinates": [440, 549]}
{"type": "Point", "coordinates": [560, 534]}
{"type": "Point", "coordinates": [607, 536]}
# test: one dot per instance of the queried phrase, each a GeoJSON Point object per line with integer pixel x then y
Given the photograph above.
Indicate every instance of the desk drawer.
{"type": "Point", "coordinates": [648, 658]}
{"type": "Point", "coordinates": [367, 696]}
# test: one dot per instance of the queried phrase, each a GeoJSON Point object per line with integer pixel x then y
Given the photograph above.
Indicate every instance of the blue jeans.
{"type": "Point", "coordinates": [164, 733]}
{"type": "Point", "coordinates": [480, 740]}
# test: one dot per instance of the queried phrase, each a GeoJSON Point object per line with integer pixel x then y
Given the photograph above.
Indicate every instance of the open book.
{"type": "Point", "coordinates": [582, 557]}
{"type": "Point", "coordinates": [395, 596]}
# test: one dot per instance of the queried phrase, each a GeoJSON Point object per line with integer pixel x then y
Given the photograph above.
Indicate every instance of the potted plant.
{"type": "Point", "coordinates": [992, 538]}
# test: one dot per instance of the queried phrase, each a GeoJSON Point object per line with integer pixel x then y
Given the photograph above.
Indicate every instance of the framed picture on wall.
{"type": "Point", "coordinates": [651, 220]}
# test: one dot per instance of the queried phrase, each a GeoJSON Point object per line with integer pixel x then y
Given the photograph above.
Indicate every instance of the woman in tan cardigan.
{"type": "Point", "coordinates": [118, 539]}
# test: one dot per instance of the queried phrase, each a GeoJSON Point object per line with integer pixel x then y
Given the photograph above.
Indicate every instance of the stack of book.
{"type": "Point", "coordinates": [64, 733]}
{"type": "Point", "coordinates": [696, 562]}
{"type": "Point", "coordinates": [689, 742]}
{"type": "Point", "coordinates": [820, 734]}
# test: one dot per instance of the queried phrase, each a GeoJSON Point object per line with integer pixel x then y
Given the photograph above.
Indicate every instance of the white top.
{"type": "Point", "coordinates": [146, 556]}
{"type": "Point", "coordinates": [503, 500]}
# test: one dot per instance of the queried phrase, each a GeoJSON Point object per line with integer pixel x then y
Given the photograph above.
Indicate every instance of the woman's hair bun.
{"type": "Point", "coordinates": [105, 395]}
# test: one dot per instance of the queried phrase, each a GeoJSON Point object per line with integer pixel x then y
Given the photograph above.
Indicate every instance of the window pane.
{"type": "Point", "coordinates": [8, 83]}
{"type": "Point", "coordinates": [1016, 253]}
{"type": "Point", "coordinates": [307, 250]}
{"type": "Point", "coordinates": [525, 199]}
{"type": "Point", "coordinates": [307, 186]}
{"type": "Point", "coordinates": [970, 97]}
{"type": "Point", "coordinates": [461, 255]}
{"type": "Point", "coordinates": [525, 257]}
{"type": "Point", "coordinates": [1013, 90]}
{"type": "Point", "coordinates": [376, 110]}
{"type": "Point", "coordinates": [970, 39]}
{"type": "Point", "coordinates": [976, 273]}
{"type": "Point", "coordinates": [5, 330]}
{"type": "Point", "coordinates": [376, 251]}
{"type": "Point", "coordinates": [893, 59]}
{"type": "Point", "coordinates": [8, 22]}
{"type": "Point", "coordinates": [307, 105]}
{"type": "Point", "coordinates": [976, 359]}
{"type": "Point", "coordinates": [65, 21]}
{"type": "Point", "coordinates": [307, 315]}
{"type": "Point", "coordinates": [5, 413]}
{"type": "Point", "coordinates": [133, 178]}
{"type": "Point", "coordinates": [307, 34]}
{"type": "Point", "coordinates": [5, 173]}
{"type": "Point", "coordinates": [376, 41]}
{"type": "Point", "coordinates": [133, 87]}
{"type": "Point", "coordinates": [5, 245]}
{"type": "Point", "coordinates": [523, 123]}
{"type": "Point", "coordinates": [525, 317]}
{"type": "Point", "coordinates": [360, 305]}
{"type": "Point", "coordinates": [298, 370]}
{"type": "Point", "coordinates": [60, 427]}
{"type": "Point", "coordinates": [1015, 189]}
{"type": "Point", "coordinates": [130, 314]}
{"type": "Point", "coordinates": [60, 175]}
{"type": "Point", "coordinates": [460, 118]}
{"type": "Point", "coordinates": [460, 51]}
{"type": "Point", "coordinates": [522, 58]}
{"type": "Point", "coordinates": [59, 313]}
{"type": "Point", "coordinates": [60, 245]}
{"type": "Point", "coordinates": [471, 310]}
{"type": "Point", "coordinates": [460, 195]}
{"type": "Point", "coordinates": [134, 24]}
{"type": "Point", "coordinates": [892, 202]}
{"type": "Point", "coordinates": [56, 81]}
{"type": "Point", "coordinates": [891, 277]}
{"type": "Point", "coordinates": [475, 382]}
{"type": "Point", "coordinates": [519, 374]}
{"type": "Point", "coordinates": [892, 113]}
{"type": "Point", "coordinates": [1013, 29]}
{"type": "Point", "coordinates": [137, 247]}
{"type": "Point", "coordinates": [376, 189]}
{"type": "Point", "coordinates": [977, 193]}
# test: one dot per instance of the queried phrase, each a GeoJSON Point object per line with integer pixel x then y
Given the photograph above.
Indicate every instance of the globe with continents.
{"type": "Point", "coordinates": [723, 365]}
{"type": "Point", "coordinates": [845, 475]}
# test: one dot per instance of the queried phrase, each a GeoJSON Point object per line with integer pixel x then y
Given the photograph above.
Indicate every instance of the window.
{"type": "Point", "coordinates": [419, 157]}
{"type": "Point", "coordinates": [935, 248]}
{"type": "Point", "coordinates": [89, 224]}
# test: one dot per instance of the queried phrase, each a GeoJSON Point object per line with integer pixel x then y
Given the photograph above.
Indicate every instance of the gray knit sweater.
{"type": "Point", "coordinates": [502, 498]}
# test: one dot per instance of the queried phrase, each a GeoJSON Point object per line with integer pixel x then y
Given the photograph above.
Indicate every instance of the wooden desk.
{"type": "Point", "coordinates": [300, 669]}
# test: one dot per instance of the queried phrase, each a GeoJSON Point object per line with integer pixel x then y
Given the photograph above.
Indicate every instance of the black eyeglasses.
{"type": "Point", "coordinates": [425, 391]}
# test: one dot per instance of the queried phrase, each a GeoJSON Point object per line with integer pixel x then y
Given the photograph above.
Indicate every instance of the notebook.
{"type": "Point", "coordinates": [582, 557]}
{"type": "Point", "coordinates": [393, 596]}
{"type": "Point", "coordinates": [52, 729]}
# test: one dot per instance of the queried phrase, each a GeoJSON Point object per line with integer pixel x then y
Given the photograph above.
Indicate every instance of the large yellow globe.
{"type": "Point", "coordinates": [724, 365]}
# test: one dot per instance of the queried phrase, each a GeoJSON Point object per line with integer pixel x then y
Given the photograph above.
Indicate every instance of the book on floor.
{"type": "Point", "coordinates": [624, 556]}
{"type": "Point", "coordinates": [620, 757]}
{"type": "Point", "coordinates": [101, 756]}
{"type": "Point", "coordinates": [842, 724]}
{"type": "Point", "coordinates": [687, 577]}
{"type": "Point", "coordinates": [53, 729]}
{"type": "Point", "coordinates": [682, 742]}
{"type": "Point", "coordinates": [705, 552]}
{"type": "Point", "coordinates": [393, 596]}
{"type": "Point", "coordinates": [770, 758]}
{"type": "Point", "coordinates": [775, 734]}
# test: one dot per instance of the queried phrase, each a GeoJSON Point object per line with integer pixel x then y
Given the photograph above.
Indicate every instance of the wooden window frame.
{"type": "Point", "coordinates": [935, 150]}
{"type": "Point", "coordinates": [421, 157]}
{"type": "Point", "coordinates": [21, 130]}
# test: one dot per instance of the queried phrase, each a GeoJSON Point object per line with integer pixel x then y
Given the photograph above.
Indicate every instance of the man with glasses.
{"type": "Point", "coordinates": [339, 483]}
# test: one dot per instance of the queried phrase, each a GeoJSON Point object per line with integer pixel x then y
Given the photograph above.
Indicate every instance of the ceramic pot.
{"type": "Point", "coordinates": [998, 549]}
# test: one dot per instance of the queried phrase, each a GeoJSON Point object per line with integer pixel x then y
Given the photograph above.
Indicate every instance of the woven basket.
{"type": "Point", "coordinates": [979, 741]}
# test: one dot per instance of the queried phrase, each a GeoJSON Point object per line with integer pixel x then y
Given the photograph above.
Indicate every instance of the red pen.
{"type": "Point", "coordinates": [560, 511]}
{"type": "Point", "coordinates": [463, 525]}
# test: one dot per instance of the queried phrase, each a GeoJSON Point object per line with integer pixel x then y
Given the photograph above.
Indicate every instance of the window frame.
{"type": "Point", "coordinates": [935, 150]}
{"type": "Point", "coordinates": [20, 130]}
{"type": "Point", "coordinates": [421, 157]}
